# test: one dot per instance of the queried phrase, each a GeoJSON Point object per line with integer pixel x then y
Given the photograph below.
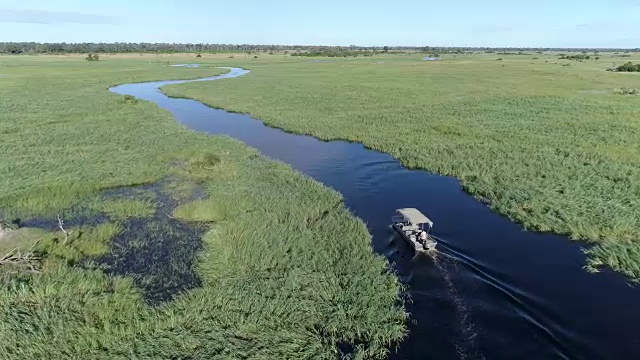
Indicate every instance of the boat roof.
{"type": "Point", "coordinates": [414, 216]}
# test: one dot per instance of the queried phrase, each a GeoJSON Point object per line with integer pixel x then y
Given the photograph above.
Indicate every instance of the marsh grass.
{"type": "Point", "coordinates": [619, 256]}
{"type": "Point", "coordinates": [182, 188]}
{"type": "Point", "coordinates": [122, 209]}
{"type": "Point", "coordinates": [201, 211]}
{"type": "Point", "coordinates": [520, 137]}
{"type": "Point", "coordinates": [264, 276]}
{"type": "Point", "coordinates": [204, 161]}
{"type": "Point", "coordinates": [280, 270]}
{"type": "Point", "coordinates": [83, 242]}
{"type": "Point", "coordinates": [65, 141]}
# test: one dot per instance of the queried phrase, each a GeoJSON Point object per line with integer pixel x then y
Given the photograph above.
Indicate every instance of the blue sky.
{"type": "Point", "coordinates": [541, 23]}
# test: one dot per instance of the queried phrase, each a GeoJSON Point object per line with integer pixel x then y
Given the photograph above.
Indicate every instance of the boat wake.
{"type": "Point", "coordinates": [465, 344]}
{"type": "Point", "coordinates": [520, 302]}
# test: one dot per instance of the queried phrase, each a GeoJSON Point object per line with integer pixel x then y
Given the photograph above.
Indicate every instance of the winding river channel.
{"type": "Point", "coordinates": [493, 290]}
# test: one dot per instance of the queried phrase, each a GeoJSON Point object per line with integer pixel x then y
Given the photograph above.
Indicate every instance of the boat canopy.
{"type": "Point", "coordinates": [414, 216]}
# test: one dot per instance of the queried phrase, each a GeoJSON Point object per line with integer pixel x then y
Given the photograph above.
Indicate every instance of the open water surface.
{"type": "Point", "coordinates": [493, 291]}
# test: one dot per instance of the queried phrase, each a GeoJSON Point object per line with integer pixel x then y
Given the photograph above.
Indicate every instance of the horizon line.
{"type": "Point", "coordinates": [334, 46]}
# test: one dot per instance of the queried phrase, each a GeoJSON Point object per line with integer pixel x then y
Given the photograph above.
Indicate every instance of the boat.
{"type": "Point", "coordinates": [409, 222]}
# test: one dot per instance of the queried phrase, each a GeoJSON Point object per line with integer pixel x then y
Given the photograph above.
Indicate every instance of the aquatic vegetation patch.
{"type": "Point", "coordinates": [158, 254]}
{"type": "Point", "coordinates": [157, 250]}
{"type": "Point", "coordinates": [122, 209]}
{"type": "Point", "coordinates": [79, 243]}
{"type": "Point", "coordinates": [200, 211]}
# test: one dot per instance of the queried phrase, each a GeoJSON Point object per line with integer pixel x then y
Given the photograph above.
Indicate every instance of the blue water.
{"type": "Point", "coordinates": [493, 291]}
{"type": "Point", "coordinates": [186, 65]}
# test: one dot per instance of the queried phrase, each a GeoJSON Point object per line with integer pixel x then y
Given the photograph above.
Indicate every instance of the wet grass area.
{"type": "Point", "coordinates": [147, 243]}
{"type": "Point", "coordinates": [159, 252]}
{"type": "Point", "coordinates": [74, 218]}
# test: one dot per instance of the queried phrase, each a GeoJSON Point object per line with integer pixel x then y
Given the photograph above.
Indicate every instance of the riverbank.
{"type": "Point", "coordinates": [282, 270]}
{"type": "Point", "coordinates": [534, 149]}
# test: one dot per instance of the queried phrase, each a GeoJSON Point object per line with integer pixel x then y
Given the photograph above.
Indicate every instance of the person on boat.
{"type": "Point", "coordinates": [423, 236]}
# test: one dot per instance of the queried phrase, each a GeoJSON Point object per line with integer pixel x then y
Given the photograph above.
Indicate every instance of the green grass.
{"type": "Point", "coordinates": [63, 143]}
{"type": "Point", "coordinates": [286, 271]}
{"type": "Point", "coordinates": [202, 210]}
{"type": "Point", "coordinates": [551, 147]}
{"type": "Point", "coordinates": [621, 256]}
{"type": "Point", "coordinates": [81, 243]}
{"type": "Point", "coordinates": [121, 209]}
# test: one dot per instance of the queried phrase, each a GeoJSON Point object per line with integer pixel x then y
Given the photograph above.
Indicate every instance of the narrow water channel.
{"type": "Point", "coordinates": [493, 291]}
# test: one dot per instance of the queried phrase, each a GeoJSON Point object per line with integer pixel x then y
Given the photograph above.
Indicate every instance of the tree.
{"type": "Point", "coordinates": [92, 57]}
{"type": "Point", "coordinates": [13, 49]}
{"type": "Point", "coordinates": [167, 48]}
{"type": "Point", "coordinates": [628, 67]}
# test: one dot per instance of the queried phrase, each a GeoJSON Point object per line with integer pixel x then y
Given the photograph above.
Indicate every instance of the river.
{"type": "Point", "coordinates": [492, 291]}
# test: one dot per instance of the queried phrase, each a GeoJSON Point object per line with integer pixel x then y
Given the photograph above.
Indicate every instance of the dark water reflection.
{"type": "Point", "coordinates": [493, 292]}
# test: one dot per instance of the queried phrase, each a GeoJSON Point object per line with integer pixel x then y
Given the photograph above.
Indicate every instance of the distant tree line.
{"type": "Point", "coordinates": [68, 48]}
{"type": "Point", "coordinates": [575, 57]}
{"type": "Point", "coordinates": [512, 52]}
{"type": "Point", "coordinates": [333, 52]}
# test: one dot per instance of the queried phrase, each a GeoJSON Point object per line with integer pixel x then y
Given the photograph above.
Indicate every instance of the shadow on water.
{"type": "Point", "coordinates": [494, 291]}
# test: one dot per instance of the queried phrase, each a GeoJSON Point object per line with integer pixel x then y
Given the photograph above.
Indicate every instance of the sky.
{"type": "Point", "coordinates": [492, 23]}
